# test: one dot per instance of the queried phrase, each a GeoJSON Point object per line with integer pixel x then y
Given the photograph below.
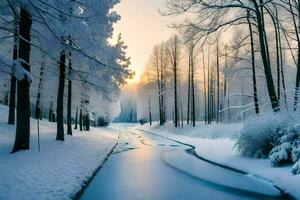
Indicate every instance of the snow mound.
{"type": "Point", "coordinates": [221, 178]}
{"type": "Point", "coordinates": [200, 131]}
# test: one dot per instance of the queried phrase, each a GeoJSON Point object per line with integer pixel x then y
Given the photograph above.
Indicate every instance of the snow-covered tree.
{"type": "Point", "coordinates": [70, 38]}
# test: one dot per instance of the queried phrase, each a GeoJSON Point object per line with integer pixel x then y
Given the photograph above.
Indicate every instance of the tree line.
{"type": "Point", "coordinates": [240, 58]}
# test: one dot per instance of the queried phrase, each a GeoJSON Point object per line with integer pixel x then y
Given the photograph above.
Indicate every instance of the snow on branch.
{"type": "Point", "coordinates": [15, 68]}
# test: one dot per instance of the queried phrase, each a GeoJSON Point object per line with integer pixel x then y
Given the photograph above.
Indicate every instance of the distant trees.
{"type": "Point", "coordinates": [38, 109]}
{"type": "Point", "coordinates": [218, 20]}
{"type": "Point", "coordinates": [165, 71]}
{"type": "Point", "coordinates": [293, 10]}
{"type": "Point", "coordinates": [191, 85]}
{"type": "Point", "coordinates": [158, 62]}
{"type": "Point", "coordinates": [76, 119]}
{"type": "Point", "coordinates": [128, 110]}
{"type": "Point", "coordinates": [247, 53]}
{"type": "Point", "coordinates": [149, 101]}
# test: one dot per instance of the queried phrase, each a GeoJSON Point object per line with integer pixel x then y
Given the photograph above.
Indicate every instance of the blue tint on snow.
{"type": "Point", "coordinates": [149, 167]}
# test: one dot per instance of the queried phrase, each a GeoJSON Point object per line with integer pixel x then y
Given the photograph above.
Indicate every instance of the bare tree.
{"type": "Point", "coordinates": [191, 47]}
{"type": "Point", "coordinates": [293, 8]}
{"type": "Point", "coordinates": [218, 19]}
{"type": "Point", "coordinates": [204, 87]}
{"type": "Point", "coordinates": [22, 139]}
{"type": "Point", "coordinates": [253, 64]}
{"type": "Point", "coordinates": [158, 77]}
{"type": "Point", "coordinates": [218, 82]}
{"type": "Point", "coordinates": [13, 81]}
{"type": "Point", "coordinates": [173, 52]}
{"type": "Point", "coordinates": [76, 118]}
{"type": "Point", "coordinates": [38, 98]}
{"type": "Point", "coordinates": [60, 97]}
{"type": "Point", "coordinates": [69, 106]}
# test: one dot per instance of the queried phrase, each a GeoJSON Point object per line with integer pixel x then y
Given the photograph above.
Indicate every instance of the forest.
{"type": "Point", "coordinates": [57, 50]}
{"type": "Point", "coordinates": [239, 61]}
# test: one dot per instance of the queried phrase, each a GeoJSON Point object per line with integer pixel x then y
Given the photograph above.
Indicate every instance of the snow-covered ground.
{"type": "Point", "coordinates": [201, 130]}
{"type": "Point", "coordinates": [221, 150]}
{"type": "Point", "coordinates": [59, 170]}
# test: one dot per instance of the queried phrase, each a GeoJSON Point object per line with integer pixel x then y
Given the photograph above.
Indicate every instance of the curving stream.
{"type": "Point", "coordinates": [149, 167]}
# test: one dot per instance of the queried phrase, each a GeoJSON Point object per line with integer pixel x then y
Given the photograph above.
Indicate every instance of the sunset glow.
{"type": "Point", "coordinates": [142, 26]}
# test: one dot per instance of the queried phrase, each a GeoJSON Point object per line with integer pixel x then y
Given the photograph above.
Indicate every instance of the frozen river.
{"type": "Point", "coordinates": [149, 167]}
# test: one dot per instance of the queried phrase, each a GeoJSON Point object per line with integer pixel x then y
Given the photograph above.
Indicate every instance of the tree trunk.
{"type": "Point", "coordinates": [181, 113]}
{"type": "Point", "coordinates": [38, 99]}
{"type": "Point", "coordinates": [281, 60]}
{"type": "Point", "coordinates": [266, 59]}
{"type": "Point", "coordinates": [175, 92]}
{"type": "Point", "coordinates": [41, 113]}
{"type": "Point", "coordinates": [60, 98]}
{"type": "Point", "coordinates": [13, 82]}
{"type": "Point", "coordinates": [253, 65]}
{"type": "Point", "coordinates": [80, 121]}
{"type": "Point", "coordinates": [298, 72]}
{"type": "Point", "coordinates": [69, 106]}
{"type": "Point", "coordinates": [277, 63]}
{"type": "Point", "coordinates": [53, 117]}
{"type": "Point", "coordinates": [50, 112]}
{"type": "Point", "coordinates": [22, 139]}
{"type": "Point", "coordinates": [84, 122]}
{"type": "Point", "coordinates": [193, 87]}
{"type": "Point", "coordinates": [162, 93]}
{"type": "Point", "coordinates": [87, 122]}
{"type": "Point", "coordinates": [12, 100]}
{"type": "Point", "coordinates": [37, 106]}
{"type": "Point", "coordinates": [296, 28]}
{"type": "Point", "coordinates": [225, 86]}
{"type": "Point", "coordinates": [277, 54]}
{"type": "Point", "coordinates": [209, 89]}
{"type": "Point", "coordinates": [189, 93]}
{"type": "Point", "coordinates": [204, 88]}
{"type": "Point", "coordinates": [218, 83]}
{"type": "Point", "coordinates": [76, 119]}
{"type": "Point", "coordinates": [150, 115]}
{"type": "Point", "coordinates": [297, 81]}
{"type": "Point", "coordinates": [159, 93]}
{"type": "Point", "coordinates": [211, 95]}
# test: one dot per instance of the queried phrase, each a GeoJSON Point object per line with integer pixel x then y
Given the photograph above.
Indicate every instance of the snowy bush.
{"type": "Point", "coordinates": [280, 153]}
{"type": "Point", "coordinates": [296, 159]}
{"type": "Point", "coordinates": [260, 135]}
{"type": "Point", "coordinates": [276, 137]}
{"type": "Point", "coordinates": [103, 121]}
{"type": "Point", "coordinates": [296, 154]}
{"type": "Point", "coordinates": [286, 150]}
{"type": "Point", "coordinates": [296, 168]}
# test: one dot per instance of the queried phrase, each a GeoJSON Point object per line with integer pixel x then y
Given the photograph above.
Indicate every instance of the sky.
{"type": "Point", "coordinates": [142, 27]}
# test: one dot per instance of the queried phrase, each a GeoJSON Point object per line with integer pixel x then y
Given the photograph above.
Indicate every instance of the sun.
{"type": "Point", "coordinates": [137, 77]}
